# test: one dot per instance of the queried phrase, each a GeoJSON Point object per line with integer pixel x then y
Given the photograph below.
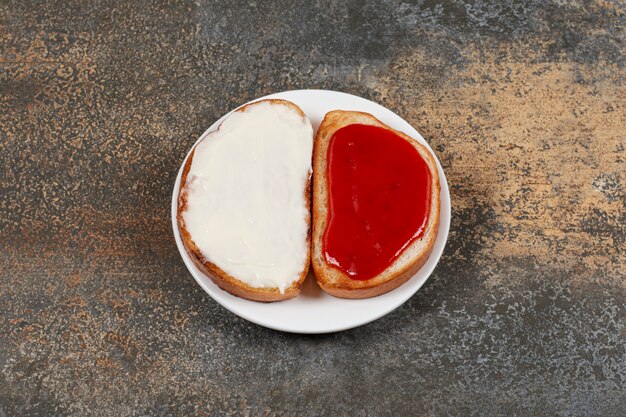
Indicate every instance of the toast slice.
{"type": "Point", "coordinates": [244, 201]}
{"type": "Point", "coordinates": [331, 278]}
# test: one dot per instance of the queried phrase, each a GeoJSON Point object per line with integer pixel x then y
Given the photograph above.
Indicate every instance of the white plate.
{"type": "Point", "coordinates": [314, 311]}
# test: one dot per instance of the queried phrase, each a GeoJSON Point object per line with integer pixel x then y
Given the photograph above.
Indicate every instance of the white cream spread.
{"type": "Point", "coordinates": [246, 207]}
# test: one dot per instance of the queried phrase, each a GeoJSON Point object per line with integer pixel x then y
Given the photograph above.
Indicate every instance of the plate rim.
{"type": "Point", "coordinates": [443, 232]}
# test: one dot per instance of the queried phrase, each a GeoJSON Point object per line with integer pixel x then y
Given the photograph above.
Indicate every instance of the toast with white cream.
{"type": "Point", "coordinates": [244, 201]}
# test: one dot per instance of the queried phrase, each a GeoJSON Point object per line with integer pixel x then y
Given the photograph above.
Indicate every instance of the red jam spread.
{"type": "Point", "coordinates": [378, 202]}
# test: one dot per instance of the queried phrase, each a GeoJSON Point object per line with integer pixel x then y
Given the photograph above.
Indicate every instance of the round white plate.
{"type": "Point", "coordinates": [314, 311]}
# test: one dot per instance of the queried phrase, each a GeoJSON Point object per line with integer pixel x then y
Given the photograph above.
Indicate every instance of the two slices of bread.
{"type": "Point", "coordinates": [329, 278]}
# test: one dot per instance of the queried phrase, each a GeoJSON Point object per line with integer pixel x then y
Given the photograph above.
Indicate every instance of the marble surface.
{"type": "Point", "coordinates": [523, 103]}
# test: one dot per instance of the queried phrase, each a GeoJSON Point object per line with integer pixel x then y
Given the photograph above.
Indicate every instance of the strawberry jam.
{"type": "Point", "coordinates": [379, 191]}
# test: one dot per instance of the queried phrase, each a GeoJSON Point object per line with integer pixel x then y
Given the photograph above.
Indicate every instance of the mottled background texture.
{"type": "Point", "coordinates": [523, 103]}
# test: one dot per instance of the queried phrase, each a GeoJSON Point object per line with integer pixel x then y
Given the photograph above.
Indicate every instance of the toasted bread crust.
{"type": "Point", "coordinates": [216, 274]}
{"type": "Point", "coordinates": [331, 279]}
